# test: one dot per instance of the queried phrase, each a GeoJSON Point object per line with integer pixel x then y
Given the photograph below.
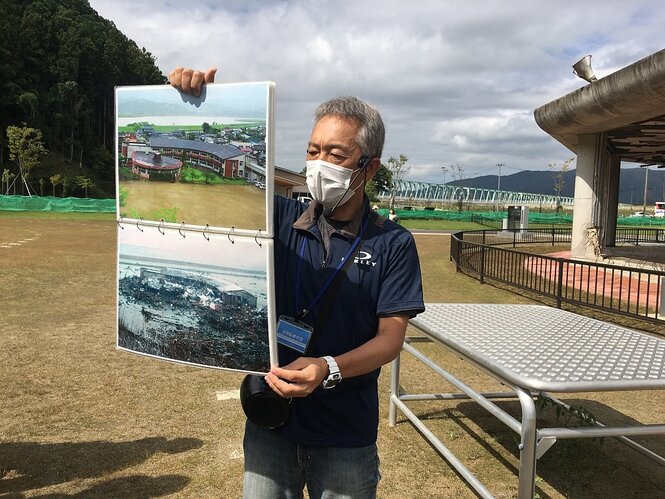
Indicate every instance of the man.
{"type": "Point", "coordinates": [358, 319]}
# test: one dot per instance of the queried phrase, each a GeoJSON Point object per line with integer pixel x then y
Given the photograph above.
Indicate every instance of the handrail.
{"type": "Point", "coordinates": [623, 290]}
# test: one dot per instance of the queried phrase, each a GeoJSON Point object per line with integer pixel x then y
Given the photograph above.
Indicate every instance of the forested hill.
{"type": "Point", "coordinates": [59, 64]}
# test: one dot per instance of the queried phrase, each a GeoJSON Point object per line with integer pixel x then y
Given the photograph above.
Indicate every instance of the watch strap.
{"type": "Point", "coordinates": [334, 376]}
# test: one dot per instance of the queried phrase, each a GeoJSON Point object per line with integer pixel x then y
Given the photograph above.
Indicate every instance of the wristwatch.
{"type": "Point", "coordinates": [334, 376]}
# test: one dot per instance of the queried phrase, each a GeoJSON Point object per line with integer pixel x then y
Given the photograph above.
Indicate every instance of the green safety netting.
{"type": "Point", "coordinates": [496, 217]}
{"type": "Point", "coordinates": [48, 203]}
{"type": "Point", "coordinates": [641, 221]}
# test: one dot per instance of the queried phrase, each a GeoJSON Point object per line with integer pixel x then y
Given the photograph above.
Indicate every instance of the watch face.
{"type": "Point", "coordinates": [332, 380]}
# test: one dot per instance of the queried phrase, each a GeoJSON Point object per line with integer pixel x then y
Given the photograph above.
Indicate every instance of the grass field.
{"type": "Point", "coordinates": [217, 205]}
{"type": "Point", "coordinates": [80, 419]}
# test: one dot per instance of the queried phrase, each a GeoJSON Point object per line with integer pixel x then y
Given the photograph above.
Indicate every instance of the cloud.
{"type": "Point", "coordinates": [455, 83]}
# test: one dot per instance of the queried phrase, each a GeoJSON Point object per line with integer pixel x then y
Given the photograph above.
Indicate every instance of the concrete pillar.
{"type": "Point", "coordinates": [604, 196]}
{"type": "Point", "coordinates": [611, 204]}
{"type": "Point", "coordinates": [589, 155]}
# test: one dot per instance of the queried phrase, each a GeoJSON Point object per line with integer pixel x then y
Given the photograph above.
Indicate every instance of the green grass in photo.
{"type": "Point", "coordinates": [166, 214]}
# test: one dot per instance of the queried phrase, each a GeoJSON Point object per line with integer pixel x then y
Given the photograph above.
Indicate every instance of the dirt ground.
{"type": "Point", "coordinates": [80, 419]}
{"type": "Point", "coordinates": [242, 206]}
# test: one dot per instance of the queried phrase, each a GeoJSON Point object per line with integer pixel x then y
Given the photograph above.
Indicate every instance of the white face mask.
{"type": "Point", "coordinates": [329, 184]}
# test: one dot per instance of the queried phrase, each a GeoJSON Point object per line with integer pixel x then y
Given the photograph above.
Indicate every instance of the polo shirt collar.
{"type": "Point", "coordinates": [315, 210]}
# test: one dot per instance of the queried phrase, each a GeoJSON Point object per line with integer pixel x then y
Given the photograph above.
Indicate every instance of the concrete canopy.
{"type": "Point", "coordinates": [620, 117]}
{"type": "Point", "coordinates": [628, 105]}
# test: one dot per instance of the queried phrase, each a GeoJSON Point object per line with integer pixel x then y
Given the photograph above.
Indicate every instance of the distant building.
{"type": "Point", "coordinates": [144, 164]}
{"type": "Point", "coordinates": [239, 297]}
{"type": "Point", "coordinates": [224, 159]}
{"type": "Point", "coordinates": [129, 146]}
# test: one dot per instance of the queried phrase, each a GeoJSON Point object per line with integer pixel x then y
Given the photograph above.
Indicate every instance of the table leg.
{"type": "Point", "coordinates": [527, 473]}
{"type": "Point", "coordinates": [394, 389]}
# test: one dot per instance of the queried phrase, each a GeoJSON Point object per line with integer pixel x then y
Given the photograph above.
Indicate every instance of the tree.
{"type": "Point", "coordinates": [559, 178]}
{"type": "Point", "coordinates": [383, 179]}
{"type": "Point", "coordinates": [380, 183]}
{"type": "Point", "coordinates": [42, 182]}
{"type": "Point", "coordinates": [398, 168]}
{"type": "Point", "coordinates": [85, 183]}
{"type": "Point", "coordinates": [457, 171]}
{"type": "Point", "coordinates": [55, 180]}
{"type": "Point", "coordinates": [69, 95]}
{"type": "Point", "coordinates": [25, 148]}
{"type": "Point", "coordinates": [7, 176]}
{"type": "Point", "coordinates": [60, 62]}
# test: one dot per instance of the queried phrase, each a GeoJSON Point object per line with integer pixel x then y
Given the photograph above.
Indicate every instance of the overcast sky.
{"type": "Point", "coordinates": [456, 82]}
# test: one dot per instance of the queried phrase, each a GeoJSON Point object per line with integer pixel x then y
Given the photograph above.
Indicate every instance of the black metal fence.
{"type": "Point", "coordinates": [629, 291]}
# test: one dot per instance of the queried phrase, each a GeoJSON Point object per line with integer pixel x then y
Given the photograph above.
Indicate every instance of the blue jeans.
{"type": "Point", "coordinates": [276, 468]}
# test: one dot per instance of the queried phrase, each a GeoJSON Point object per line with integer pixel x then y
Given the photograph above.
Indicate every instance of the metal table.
{"type": "Point", "coordinates": [533, 350]}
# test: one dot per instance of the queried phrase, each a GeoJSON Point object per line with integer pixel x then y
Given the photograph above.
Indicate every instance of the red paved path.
{"type": "Point", "coordinates": [624, 286]}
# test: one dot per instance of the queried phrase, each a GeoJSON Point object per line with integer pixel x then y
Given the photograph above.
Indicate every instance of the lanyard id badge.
{"type": "Point", "coordinates": [293, 334]}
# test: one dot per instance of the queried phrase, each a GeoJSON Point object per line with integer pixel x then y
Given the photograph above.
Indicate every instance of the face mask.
{"type": "Point", "coordinates": [329, 184]}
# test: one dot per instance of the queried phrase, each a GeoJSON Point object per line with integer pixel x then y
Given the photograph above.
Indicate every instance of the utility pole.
{"type": "Point", "coordinates": [646, 188]}
{"type": "Point", "coordinates": [443, 187]}
{"type": "Point", "coordinates": [498, 184]}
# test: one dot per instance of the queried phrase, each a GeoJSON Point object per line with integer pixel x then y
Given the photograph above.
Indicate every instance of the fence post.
{"type": "Point", "coordinates": [552, 236]}
{"type": "Point", "coordinates": [456, 248]}
{"type": "Point", "coordinates": [514, 237]}
{"type": "Point", "coordinates": [559, 282]}
{"type": "Point", "coordinates": [482, 264]}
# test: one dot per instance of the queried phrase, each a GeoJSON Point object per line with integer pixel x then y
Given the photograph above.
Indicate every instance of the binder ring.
{"type": "Point", "coordinates": [229, 235]}
{"type": "Point", "coordinates": [204, 232]}
{"type": "Point", "coordinates": [137, 224]}
{"type": "Point", "coordinates": [159, 227]}
{"type": "Point", "coordinates": [118, 222]}
{"type": "Point", "coordinates": [180, 229]}
{"type": "Point", "coordinates": [255, 238]}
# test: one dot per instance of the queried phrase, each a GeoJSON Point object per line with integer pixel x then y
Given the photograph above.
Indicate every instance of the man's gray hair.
{"type": "Point", "coordinates": [371, 132]}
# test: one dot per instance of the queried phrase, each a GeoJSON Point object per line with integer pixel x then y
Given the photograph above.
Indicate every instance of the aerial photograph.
{"type": "Point", "coordinates": [199, 160]}
{"type": "Point", "coordinates": [194, 299]}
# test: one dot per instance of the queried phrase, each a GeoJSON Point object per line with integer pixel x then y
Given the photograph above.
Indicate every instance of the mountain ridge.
{"type": "Point", "coordinates": [631, 184]}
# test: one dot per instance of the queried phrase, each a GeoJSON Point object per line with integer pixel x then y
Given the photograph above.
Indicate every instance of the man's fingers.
{"type": "Point", "coordinates": [199, 78]}
{"type": "Point", "coordinates": [190, 81]}
{"type": "Point", "coordinates": [186, 80]}
{"type": "Point", "coordinates": [175, 77]}
{"type": "Point", "coordinates": [197, 82]}
{"type": "Point", "coordinates": [277, 385]}
{"type": "Point", "coordinates": [287, 374]}
{"type": "Point", "coordinates": [210, 75]}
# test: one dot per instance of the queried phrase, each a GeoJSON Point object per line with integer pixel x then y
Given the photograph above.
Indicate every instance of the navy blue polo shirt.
{"type": "Point", "coordinates": [384, 280]}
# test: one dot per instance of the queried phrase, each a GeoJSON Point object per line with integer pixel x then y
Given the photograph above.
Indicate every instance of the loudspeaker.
{"type": "Point", "coordinates": [262, 406]}
{"type": "Point", "coordinates": [582, 68]}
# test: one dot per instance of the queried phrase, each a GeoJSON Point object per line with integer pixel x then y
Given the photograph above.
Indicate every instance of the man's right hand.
{"type": "Point", "coordinates": [190, 81]}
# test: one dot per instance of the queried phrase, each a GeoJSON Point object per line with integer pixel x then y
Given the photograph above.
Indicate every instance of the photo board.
{"type": "Point", "coordinates": [198, 160]}
{"type": "Point", "coordinates": [194, 200]}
